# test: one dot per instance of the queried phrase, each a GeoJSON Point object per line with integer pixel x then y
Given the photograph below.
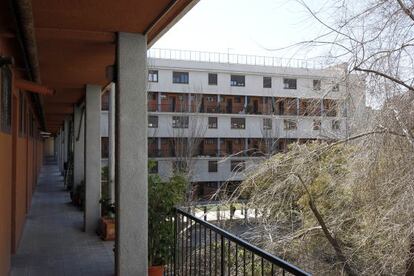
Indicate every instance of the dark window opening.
{"type": "Point", "coordinates": [180, 121]}
{"type": "Point", "coordinates": [290, 124]}
{"type": "Point", "coordinates": [317, 84]}
{"type": "Point", "coordinates": [238, 123]}
{"type": "Point", "coordinates": [152, 75]}
{"type": "Point", "coordinates": [180, 77]}
{"type": "Point", "coordinates": [152, 121]}
{"type": "Point", "coordinates": [212, 166]}
{"type": "Point", "coordinates": [267, 82]}
{"type": "Point", "coordinates": [237, 165]}
{"type": "Point", "coordinates": [104, 147]}
{"type": "Point", "coordinates": [237, 80]}
{"type": "Point", "coordinates": [289, 83]}
{"type": "Point", "coordinates": [212, 122]}
{"type": "Point", "coordinates": [267, 123]}
{"type": "Point", "coordinates": [212, 79]}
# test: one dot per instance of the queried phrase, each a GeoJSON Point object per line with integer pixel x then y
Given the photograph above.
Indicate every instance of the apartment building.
{"type": "Point", "coordinates": [214, 116]}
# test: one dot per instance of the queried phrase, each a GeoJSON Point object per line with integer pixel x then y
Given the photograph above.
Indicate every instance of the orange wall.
{"type": "Point", "coordinates": [5, 201]}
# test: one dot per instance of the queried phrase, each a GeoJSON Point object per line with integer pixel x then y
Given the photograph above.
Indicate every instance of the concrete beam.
{"type": "Point", "coordinates": [131, 256]}
{"type": "Point", "coordinates": [92, 157]}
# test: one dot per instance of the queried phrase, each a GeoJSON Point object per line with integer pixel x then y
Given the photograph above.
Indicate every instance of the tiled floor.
{"type": "Point", "coordinates": [52, 242]}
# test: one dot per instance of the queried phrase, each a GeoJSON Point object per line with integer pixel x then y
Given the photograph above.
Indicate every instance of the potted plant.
{"type": "Point", "coordinates": [163, 196]}
{"type": "Point", "coordinates": [107, 221]}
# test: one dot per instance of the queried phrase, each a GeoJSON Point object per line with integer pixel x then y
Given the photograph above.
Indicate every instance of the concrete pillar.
{"type": "Point", "coordinates": [66, 143]}
{"type": "Point", "coordinates": [111, 142]}
{"type": "Point", "coordinates": [297, 106]}
{"type": "Point", "coordinates": [131, 166]}
{"type": "Point", "coordinates": [189, 102]}
{"type": "Point", "coordinates": [159, 107]}
{"type": "Point", "coordinates": [79, 146]}
{"type": "Point", "coordinates": [58, 149]}
{"type": "Point", "coordinates": [92, 157]}
{"type": "Point", "coordinates": [218, 146]}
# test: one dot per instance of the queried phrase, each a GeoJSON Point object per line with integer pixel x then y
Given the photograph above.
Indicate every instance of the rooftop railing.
{"type": "Point", "coordinates": [202, 248]}
{"type": "Point", "coordinates": [229, 58]}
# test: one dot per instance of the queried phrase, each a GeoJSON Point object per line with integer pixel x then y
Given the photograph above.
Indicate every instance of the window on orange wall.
{"type": "Point", "coordinates": [5, 99]}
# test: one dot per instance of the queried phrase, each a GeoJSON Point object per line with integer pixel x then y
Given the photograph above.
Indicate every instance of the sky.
{"type": "Point", "coordinates": [255, 27]}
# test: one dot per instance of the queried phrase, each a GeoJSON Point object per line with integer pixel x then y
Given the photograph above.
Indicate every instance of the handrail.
{"type": "Point", "coordinates": [254, 249]}
{"type": "Point", "coordinates": [220, 57]}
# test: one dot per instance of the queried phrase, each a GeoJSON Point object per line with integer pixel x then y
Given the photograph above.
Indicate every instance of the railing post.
{"type": "Point", "coordinates": [175, 216]}
{"type": "Point", "coordinates": [222, 256]}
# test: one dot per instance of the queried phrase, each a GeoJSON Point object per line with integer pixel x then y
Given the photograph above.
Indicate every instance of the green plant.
{"type": "Point", "coordinates": [163, 196]}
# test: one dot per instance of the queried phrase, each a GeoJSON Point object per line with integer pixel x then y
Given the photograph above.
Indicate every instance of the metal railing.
{"type": "Point", "coordinates": [202, 248]}
{"type": "Point", "coordinates": [217, 57]}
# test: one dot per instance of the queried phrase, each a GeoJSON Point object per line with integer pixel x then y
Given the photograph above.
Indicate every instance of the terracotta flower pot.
{"type": "Point", "coordinates": [107, 229]}
{"type": "Point", "coordinates": [156, 270]}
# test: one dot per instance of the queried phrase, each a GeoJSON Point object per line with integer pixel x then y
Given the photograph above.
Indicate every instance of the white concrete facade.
{"type": "Point", "coordinates": [350, 98]}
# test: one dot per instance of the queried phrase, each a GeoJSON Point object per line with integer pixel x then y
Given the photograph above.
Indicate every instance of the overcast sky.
{"type": "Point", "coordinates": [243, 27]}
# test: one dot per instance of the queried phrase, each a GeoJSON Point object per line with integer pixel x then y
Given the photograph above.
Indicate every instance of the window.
{"type": "Point", "coordinates": [180, 121]}
{"type": "Point", "coordinates": [180, 77]}
{"type": "Point", "coordinates": [152, 121]}
{"type": "Point", "coordinates": [290, 124]}
{"type": "Point", "coordinates": [152, 75]}
{"type": "Point", "coordinates": [5, 100]}
{"type": "Point", "coordinates": [336, 124]}
{"type": "Point", "coordinates": [317, 124]}
{"type": "Point", "coordinates": [212, 122]}
{"type": "Point", "coordinates": [210, 99]}
{"type": "Point", "coordinates": [237, 80]}
{"type": "Point", "coordinates": [179, 166]}
{"type": "Point", "coordinates": [317, 85]}
{"type": "Point", "coordinates": [22, 114]}
{"type": "Point", "coordinates": [267, 123]}
{"type": "Point", "coordinates": [212, 79]}
{"type": "Point", "coordinates": [212, 166]}
{"type": "Point", "coordinates": [237, 165]}
{"type": "Point", "coordinates": [335, 88]}
{"type": "Point", "coordinates": [267, 82]}
{"type": "Point", "coordinates": [289, 83]}
{"type": "Point", "coordinates": [153, 168]}
{"type": "Point", "coordinates": [238, 123]}
{"type": "Point", "coordinates": [104, 147]}
{"type": "Point", "coordinates": [105, 101]}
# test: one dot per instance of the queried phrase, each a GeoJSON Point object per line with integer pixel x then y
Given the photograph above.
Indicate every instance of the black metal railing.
{"type": "Point", "coordinates": [202, 248]}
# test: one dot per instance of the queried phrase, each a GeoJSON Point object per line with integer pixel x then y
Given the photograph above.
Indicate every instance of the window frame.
{"type": "Point", "coordinates": [290, 124]}
{"type": "Point", "coordinates": [267, 82]}
{"type": "Point", "coordinates": [156, 123]}
{"type": "Point", "coordinates": [235, 164]}
{"type": "Point", "coordinates": [212, 166]}
{"type": "Point", "coordinates": [234, 124]}
{"type": "Point", "coordinates": [177, 123]}
{"type": "Point", "coordinates": [234, 81]}
{"type": "Point", "coordinates": [151, 74]}
{"type": "Point", "coordinates": [212, 79]}
{"type": "Point", "coordinates": [210, 124]}
{"type": "Point", "coordinates": [286, 84]}
{"type": "Point", "coordinates": [317, 85]}
{"type": "Point", "coordinates": [266, 125]}
{"type": "Point", "coordinates": [178, 79]}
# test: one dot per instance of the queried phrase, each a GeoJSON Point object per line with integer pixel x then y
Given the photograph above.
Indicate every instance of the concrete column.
{"type": "Point", "coordinates": [66, 144]}
{"type": "Point", "coordinates": [111, 142]}
{"type": "Point", "coordinates": [79, 146]}
{"type": "Point", "coordinates": [159, 107]}
{"type": "Point", "coordinates": [218, 146]}
{"type": "Point", "coordinates": [297, 106]}
{"type": "Point", "coordinates": [189, 102]}
{"type": "Point", "coordinates": [92, 157]}
{"type": "Point", "coordinates": [131, 166]}
{"type": "Point", "coordinates": [58, 149]}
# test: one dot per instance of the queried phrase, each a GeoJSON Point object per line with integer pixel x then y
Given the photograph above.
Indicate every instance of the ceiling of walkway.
{"type": "Point", "coordinates": [76, 42]}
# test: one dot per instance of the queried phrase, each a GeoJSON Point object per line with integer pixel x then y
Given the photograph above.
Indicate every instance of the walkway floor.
{"type": "Point", "coordinates": [53, 242]}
